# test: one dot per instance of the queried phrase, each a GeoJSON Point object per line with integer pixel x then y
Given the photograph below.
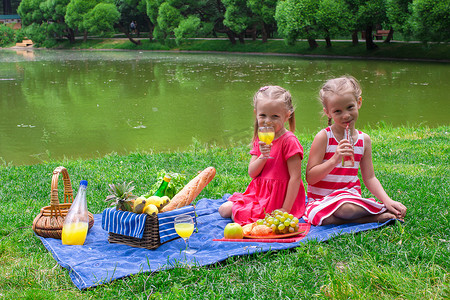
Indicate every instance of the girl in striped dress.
{"type": "Point", "coordinates": [334, 191]}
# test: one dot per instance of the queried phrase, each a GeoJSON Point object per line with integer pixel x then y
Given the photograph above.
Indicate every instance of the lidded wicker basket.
{"type": "Point", "coordinates": [49, 222]}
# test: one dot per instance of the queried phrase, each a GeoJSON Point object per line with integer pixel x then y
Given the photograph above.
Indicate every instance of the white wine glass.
{"type": "Point", "coordinates": [184, 226]}
{"type": "Point", "coordinates": [266, 134]}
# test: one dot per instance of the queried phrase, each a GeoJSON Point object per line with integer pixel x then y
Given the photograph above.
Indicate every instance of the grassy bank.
{"type": "Point", "coordinates": [409, 261]}
{"type": "Point", "coordinates": [339, 49]}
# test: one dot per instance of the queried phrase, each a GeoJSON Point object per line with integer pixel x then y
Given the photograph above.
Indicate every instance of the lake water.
{"type": "Point", "coordinates": [83, 104]}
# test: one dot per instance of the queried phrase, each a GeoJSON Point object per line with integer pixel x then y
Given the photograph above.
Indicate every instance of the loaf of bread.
{"type": "Point", "coordinates": [191, 190]}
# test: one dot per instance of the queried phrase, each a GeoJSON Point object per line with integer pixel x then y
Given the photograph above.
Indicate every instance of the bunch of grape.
{"type": "Point", "coordinates": [280, 222]}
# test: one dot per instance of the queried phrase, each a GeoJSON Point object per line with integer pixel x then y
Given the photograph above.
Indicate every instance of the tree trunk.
{"type": "Point", "coordinates": [127, 34]}
{"type": "Point", "coordinates": [70, 35]}
{"type": "Point", "coordinates": [241, 37]}
{"type": "Point", "coordinates": [370, 45]}
{"type": "Point", "coordinates": [85, 36]}
{"type": "Point", "coordinates": [228, 32]}
{"type": "Point", "coordinates": [264, 32]}
{"type": "Point", "coordinates": [312, 43]}
{"type": "Point", "coordinates": [151, 27]}
{"type": "Point", "coordinates": [328, 40]}
{"type": "Point", "coordinates": [231, 36]}
{"type": "Point", "coordinates": [355, 38]}
{"type": "Point", "coordinates": [390, 36]}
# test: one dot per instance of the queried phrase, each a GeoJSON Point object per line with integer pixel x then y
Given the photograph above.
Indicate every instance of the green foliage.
{"type": "Point", "coordinates": [168, 19]}
{"type": "Point", "coordinates": [237, 15]}
{"type": "Point", "coordinates": [187, 28]}
{"type": "Point", "coordinates": [6, 35]}
{"type": "Point", "coordinates": [19, 36]}
{"type": "Point", "coordinates": [371, 13]}
{"type": "Point", "coordinates": [430, 20]}
{"type": "Point", "coordinates": [334, 17]}
{"type": "Point", "coordinates": [265, 10]}
{"type": "Point", "coordinates": [101, 18]}
{"type": "Point", "coordinates": [37, 33]}
{"type": "Point", "coordinates": [296, 19]}
{"type": "Point", "coordinates": [76, 13]}
{"type": "Point", "coordinates": [398, 14]}
{"type": "Point", "coordinates": [152, 10]}
{"type": "Point", "coordinates": [29, 11]}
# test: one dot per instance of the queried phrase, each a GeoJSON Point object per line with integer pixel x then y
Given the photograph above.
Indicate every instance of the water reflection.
{"type": "Point", "coordinates": [84, 104]}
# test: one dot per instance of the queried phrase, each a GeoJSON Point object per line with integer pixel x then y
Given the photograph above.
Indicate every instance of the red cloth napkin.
{"type": "Point", "coordinates": [302, 227]}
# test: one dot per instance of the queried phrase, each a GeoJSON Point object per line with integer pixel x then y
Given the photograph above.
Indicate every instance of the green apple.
{"type": "Point", "coordinates": [233, 231]}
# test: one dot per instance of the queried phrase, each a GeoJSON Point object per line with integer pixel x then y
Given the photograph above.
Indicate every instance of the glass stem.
{"type": "Point", "coordinates": [186, 242]}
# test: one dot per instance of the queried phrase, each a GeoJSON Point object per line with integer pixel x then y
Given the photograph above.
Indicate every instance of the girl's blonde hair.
{"type": "Point", "coordinates": [274, 93]}
{"type": "Point", "coordinates": [339, 86]}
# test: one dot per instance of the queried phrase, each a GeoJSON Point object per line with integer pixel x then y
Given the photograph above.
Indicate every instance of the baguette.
{"type": "Point", "coordinates": [191, 190]}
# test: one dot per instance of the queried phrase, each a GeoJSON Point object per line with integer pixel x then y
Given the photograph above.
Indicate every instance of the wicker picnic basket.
{"type": "Point", "coordinates": [150, 238]}
{"type": "Point", "coordinates": [49, 222]}
{"type": "Point", "coordinates": [157, 230]}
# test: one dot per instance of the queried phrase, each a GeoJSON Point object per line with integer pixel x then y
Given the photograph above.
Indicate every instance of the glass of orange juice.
{"type": "Point", "coordinates": [184, 226]}
{"type": "Point", "coordinates": [266, 134]}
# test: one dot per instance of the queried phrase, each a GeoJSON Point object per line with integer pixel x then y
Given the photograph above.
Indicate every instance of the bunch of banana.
{"type": "Point", "coordinates": [151, 205]}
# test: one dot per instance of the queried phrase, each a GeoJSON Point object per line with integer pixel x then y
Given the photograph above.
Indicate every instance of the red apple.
{"type": "Point", "coordinates": [233, 231]}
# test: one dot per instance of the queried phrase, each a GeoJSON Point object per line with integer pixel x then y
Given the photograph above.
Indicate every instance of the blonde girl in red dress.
{"type": "Point", "coordinates": [276, 181]}
{"type": "Point", "coordinates": [334, 191]}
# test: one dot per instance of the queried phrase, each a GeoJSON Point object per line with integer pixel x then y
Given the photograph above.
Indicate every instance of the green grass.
{"type": "Point", "coordinates": [403, 261]}
{"type": "Point", "coordinates": [344, 49]}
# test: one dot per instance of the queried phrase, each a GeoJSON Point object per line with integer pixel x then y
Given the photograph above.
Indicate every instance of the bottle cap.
{"type": "Point", "coordinates": [167, 178]}
{"type": "Point", "coordinates": [83, 183]}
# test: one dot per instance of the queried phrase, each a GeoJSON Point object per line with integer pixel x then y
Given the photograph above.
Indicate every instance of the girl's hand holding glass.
{"type": "Point", "coordinates": [266, 135]}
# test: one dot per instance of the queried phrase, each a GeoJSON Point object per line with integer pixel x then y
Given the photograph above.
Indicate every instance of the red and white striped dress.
{"type": "Point", "coordinates": [340, 186]}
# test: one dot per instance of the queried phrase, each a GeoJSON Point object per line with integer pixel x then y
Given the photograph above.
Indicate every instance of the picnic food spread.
{"type": "Point", "coordinates": [275, 223]}
{"type": "Point", "coordinates": [123, 198]}
{"type": "Point", "coordinates": [191, 190]}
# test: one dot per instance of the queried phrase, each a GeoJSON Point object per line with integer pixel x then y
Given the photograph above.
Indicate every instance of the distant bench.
{"type": "Point", "coordinates": [25, 43]}
{"type": "Point", "coordinates": [380, 33]}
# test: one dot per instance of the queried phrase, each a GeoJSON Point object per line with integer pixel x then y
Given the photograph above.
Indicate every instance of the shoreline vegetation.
{"type": "Point", "coordinates": [406, 261]}
{"type": "Point", "coordinates": [395, 50]}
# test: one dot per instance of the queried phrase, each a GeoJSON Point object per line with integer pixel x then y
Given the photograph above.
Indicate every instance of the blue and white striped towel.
{"type": "Point", "coordinates": [123, 222]}
{"type": "Point", "coordinates": [131, 224]}
{"type": "Point", "coordinates": [167, 219]}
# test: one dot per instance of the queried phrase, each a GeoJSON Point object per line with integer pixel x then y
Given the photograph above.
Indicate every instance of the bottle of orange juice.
{"type": "Point", "coordinates": [76, 223]}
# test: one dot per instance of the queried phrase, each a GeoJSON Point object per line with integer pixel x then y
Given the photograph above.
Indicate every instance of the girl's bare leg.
{"type": "Point", "coordinates": [352, 213]}
{"type": "Point", "coordinates": [225, 209]}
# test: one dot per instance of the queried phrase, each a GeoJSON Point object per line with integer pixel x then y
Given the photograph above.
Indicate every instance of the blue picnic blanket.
{"type": "Point", "coordinates": [99, 262]}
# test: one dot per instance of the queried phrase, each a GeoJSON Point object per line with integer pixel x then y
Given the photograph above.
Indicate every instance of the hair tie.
{"type": "Point", "coordinates": [264, 88]}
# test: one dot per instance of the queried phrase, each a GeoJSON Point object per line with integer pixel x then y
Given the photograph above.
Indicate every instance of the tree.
{"type": "Point", "coordinates": [101, 19]}
{"type": "Point", "coordinates": [237, 17]}
{"type": "Point", "coordinates": [76, 14]}
{"type": "Point", "coordinates": [29, 12]}
{"type": "Point", "coordinates": [133, 11]}
{"type": "Point", "coordinates": [186, 28]}
{"type": "Point", "coordinates": [333, 17]}
{"type": "Point", "coordinates": [179, 16]}
{"type": "Point", "coordinates": [370, 13]}
{"type": "Point", "coordinates": [168, 19]}
{"type": "Point", "coordinates": [297, 19]}
{"type": "Point", "coordinates": [397, 12]}
{"type": "Point", "coordinates": [430, 20]}
{"type": "Point", "coordinates": [263, 14]}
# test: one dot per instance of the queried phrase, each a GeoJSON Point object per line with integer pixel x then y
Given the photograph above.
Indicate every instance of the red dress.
{"type": "Point", "coordinates": [266, 191]}
{"type": "Point", "coordinates": [340, 186]}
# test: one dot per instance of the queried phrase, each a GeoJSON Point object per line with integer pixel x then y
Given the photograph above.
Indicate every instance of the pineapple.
{"type": "Point", "coordinates": [122, 196]}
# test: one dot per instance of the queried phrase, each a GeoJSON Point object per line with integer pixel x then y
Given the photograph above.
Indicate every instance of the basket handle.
{"type": "Point", "coordinates": [68, 192]}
